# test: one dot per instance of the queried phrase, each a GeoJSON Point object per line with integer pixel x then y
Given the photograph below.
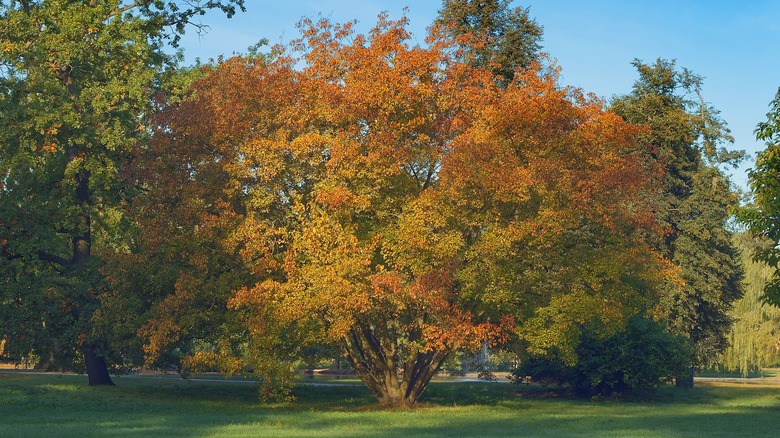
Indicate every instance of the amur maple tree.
{"type": "Point", "coordinates": [404, 205]}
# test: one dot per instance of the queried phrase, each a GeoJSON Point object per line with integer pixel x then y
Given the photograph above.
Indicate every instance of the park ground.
{"type": "Point", "coordinates": [64, 405]}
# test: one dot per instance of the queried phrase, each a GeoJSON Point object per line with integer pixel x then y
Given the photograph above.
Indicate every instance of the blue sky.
{"type": "Point", "coordinates": [734, 45]}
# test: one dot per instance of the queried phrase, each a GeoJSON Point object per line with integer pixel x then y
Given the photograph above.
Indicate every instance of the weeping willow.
{"type": "Point", "coordinates": [755, 335]}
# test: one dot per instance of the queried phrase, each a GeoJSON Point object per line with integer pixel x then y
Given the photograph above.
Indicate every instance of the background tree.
{"type": "Point", "coordinates": [492, 35]}
{"type": "Point", "coordinates": [754, 337]}
{"type": "Point", "coordinates": [643, 355]}
{"type": "Point", "coordinates": [75, 85]}
{"type": "Point", "coordinates": [404, 206]}
{"type": "Point", "coordinates": [694, 207]}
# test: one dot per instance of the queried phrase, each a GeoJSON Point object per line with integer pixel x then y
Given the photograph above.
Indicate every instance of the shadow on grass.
{"type": "Point", "coordinates": [66, 406]}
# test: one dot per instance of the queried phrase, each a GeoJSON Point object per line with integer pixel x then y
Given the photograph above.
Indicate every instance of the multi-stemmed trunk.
{"type": "Point", "coordinates": [392, 379]}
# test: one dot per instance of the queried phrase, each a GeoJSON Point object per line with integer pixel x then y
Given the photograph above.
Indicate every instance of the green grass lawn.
{"type": "Point", "coordinates": [66, 406]}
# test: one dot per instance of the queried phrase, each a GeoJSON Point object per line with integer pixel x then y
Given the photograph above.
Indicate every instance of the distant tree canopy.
{"type": "Point", "coordinates": [754, 338]}
{"type": "Point", "coordinates": [492, 35]}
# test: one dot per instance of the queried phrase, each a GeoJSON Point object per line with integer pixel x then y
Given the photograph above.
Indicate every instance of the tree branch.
{"type": "Point", "coordinates": [46, 257]}
{"type": "Point", "coordinates": [121, 10]}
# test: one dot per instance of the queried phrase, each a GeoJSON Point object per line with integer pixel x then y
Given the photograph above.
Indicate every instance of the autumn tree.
{"type": "Point", "coordinates": [401, 204]}
{"type": "Point", "coordinates": [492, 35]}
{"type": "Point", "coordinates": [76, 79]}
{"type": "Point", "coordinates": [694, 207]}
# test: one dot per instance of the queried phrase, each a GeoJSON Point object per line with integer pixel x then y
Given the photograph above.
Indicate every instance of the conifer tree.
{"type": "Point", "coordinates": [689, 138]}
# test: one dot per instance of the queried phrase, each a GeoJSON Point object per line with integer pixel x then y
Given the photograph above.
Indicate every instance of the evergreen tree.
{"type": "Point", "coordinates": [492, 34]}
{"type": "Point", "coordinates": [689, 138]}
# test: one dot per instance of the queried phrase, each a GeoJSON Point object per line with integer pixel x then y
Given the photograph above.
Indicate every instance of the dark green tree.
{"type": "Point", "coordinates": [690, 141]}
{"type": "Point", "coordinates": [76, 80]}
{"type": "Point", "coordinates": [643, 355]}
{"type": "Point", "coordinates": [492, 34]}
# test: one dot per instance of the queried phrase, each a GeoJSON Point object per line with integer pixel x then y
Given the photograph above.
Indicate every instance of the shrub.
{"type": "Point", "coordinates": [644, 355]}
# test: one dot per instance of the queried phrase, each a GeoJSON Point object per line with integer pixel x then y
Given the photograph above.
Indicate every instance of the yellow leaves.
{"type": "Point", "coordinates": [390, 189]}
{"type": "Point", "coordinates": [204, 362]}
{"type": "Point", "coordinates": [54, 129]}
{"type": "Point", "coordinates": [9, 47]}
{"type": "Point", "coordinates": [51, 148]}
{"type": "Point", "coordinates": [423, 237]}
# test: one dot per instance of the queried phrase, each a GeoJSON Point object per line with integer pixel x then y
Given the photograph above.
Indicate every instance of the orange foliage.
{"type": "Point", "coordinates": [397, 202]}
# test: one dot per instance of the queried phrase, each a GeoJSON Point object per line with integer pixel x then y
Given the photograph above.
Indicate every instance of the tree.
{"type": "Point", "coordinates": [760, 216]}
{"type": "Point", "coordinates": [643, 355]}
{"type": "Point", "coordinates": [754, 338]}
{"type": "Point", "coordinates": [696, 201]}
{"type": "Point", "coordinates": [492, 35]}
{"type": "Point", "coordinates": [404, 206]}
{"type": "Point", "coordinates": [75, 86]}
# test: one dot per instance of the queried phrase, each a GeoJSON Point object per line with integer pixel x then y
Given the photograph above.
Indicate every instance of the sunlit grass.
{"type": "Point", "coordinates": [66, 406]}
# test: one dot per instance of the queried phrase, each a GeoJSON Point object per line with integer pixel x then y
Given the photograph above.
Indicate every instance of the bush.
{"type": "Point", "coordinates": [644, 355]}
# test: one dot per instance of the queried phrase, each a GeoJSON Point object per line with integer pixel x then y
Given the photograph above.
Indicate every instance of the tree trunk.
{"type": "Point", "coordinates": [376, 363]}
{"type": "Point", "coordinates": [685, 381]}
{"type": "Point", "coordinates": [97, 371]}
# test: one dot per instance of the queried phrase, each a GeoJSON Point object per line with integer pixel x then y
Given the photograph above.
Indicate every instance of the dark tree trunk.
{"type": "Point", "coordinates": [685, 381]}
{"type": "Point", "coordinates": [97, 371]}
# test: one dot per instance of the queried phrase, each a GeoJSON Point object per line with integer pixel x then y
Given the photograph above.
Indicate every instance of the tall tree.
{"type": "Point", "coordinates": [695, 205]}
{"type": "Point", "coordinates": [492, 35]}
{"type": "Point", "coordinates": [405, 206]}
{"type": "Point", "coordinates": [75, 84]}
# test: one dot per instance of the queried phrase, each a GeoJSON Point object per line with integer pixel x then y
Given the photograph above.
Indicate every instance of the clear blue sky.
{"type": "Point", "coordinates": [734, 45]}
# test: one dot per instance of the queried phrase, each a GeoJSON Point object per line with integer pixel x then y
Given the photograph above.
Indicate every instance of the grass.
{"type": "Point", "coordinates": [32, 405]}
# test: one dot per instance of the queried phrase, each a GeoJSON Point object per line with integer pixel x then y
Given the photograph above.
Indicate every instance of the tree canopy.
{"type": "Point", "coordinates": [492, 35]}
{"type": "Point", "coordinates": [399, 203]}
{"type": "Point", "coordinates": [695, 204]}
{"type": "Point", "coordinates": [761, 215]}
{"type": "Point", "coordinates": [76, 80]}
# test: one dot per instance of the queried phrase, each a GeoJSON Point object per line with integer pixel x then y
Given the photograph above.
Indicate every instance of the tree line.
{"type": "Point", "coordinates": [355, 195]}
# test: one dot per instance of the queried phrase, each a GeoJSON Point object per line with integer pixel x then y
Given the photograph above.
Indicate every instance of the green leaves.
{"type": "Point", "coordinates": [695, 204]}
{"type": "Point", "coordinates": [76, 90]}
{"type": "Point", "coordinates": [761, 216]}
